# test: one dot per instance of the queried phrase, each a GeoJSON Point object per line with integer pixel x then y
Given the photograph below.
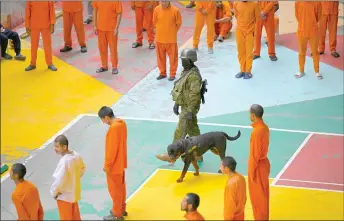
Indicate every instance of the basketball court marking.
{"type": "Point", "coordinates": [79, 117]}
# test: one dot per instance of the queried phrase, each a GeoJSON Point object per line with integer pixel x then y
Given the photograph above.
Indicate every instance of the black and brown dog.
{"type": "Point", "coordinates": [192, 147]}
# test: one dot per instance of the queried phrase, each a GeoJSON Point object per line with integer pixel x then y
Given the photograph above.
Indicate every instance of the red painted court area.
{"type": "Point", "coordinates": [318, 165]}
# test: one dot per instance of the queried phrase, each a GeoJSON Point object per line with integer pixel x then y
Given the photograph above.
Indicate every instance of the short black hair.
{"type": "Point", "coordinates": [193, 199]}
{"type": "Point", "coordinates": [19, 169]}
{"type": "Point", "coordinates": [62, 140]}
{"type": "Point", "coordinates": [230, 163]}
{"type": "Point", "coordinates": [105, 111]}
{"type": "Point", "coordinates": [257, 110]}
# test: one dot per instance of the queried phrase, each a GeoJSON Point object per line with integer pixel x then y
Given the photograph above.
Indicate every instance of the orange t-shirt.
{"type": "Point", "coordinates": [26, 199]}
{"type": "Point", "coordinates": [107, 13]}
{"type": "Point", "coordinates": [167, 22]}
{"type": "Point", "coordinates": [308, 15]}
{"type": "Point", "coordinates": [267, 7]}
{"type": "Point", "coordinates": [247, 14]}
{"type": "Point", "coordinates": [116, 147]}
{"type": "Point", "coordinates": [39, 15]}
{"type": "Point", "coordinates": [193, 216]}
{"type": "Point", "coordinates": [330, 7]}
{"type": "Point", "coordinates": [235, 198]}
{"type": "Point", "coordinates": [72, 6]}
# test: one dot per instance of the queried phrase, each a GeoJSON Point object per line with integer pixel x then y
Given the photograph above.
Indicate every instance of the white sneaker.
{"type": "Point", "coordinates": [299, 75]}
{"type": "Point", "coordinates": [210, 50]}
{"type": "Point", "coordinates": [319, 76]}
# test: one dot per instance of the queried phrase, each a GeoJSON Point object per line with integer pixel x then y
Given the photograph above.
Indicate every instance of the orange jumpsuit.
{"type": "Point", "coordinates": [115, 165]}
{"type": "Point", "coordinates": [259, 170]}
{"type": "Point", "coordinates": [72, 14]}
{"type": "Point", "coordinates": [200, 19]}
{"type": "Point", "coordinates": [106, 22]}
{"type": "Point", "coordinates": [328, 19]}
{"type": "Point", "coordinates": [195, 215]}
{"type": "Point", "coordinates": [26, 199]}
{"type": "Point", "coordinates": [235, 198]}
{"type": "Point", "coordinates": [266, 7]}
{"type": "Point", "coordinates": [247, 14]}
{"type": "Point", "coordinates": [222, 29]}
{"type": "Point", "coordinates": [39, 16]}
{"type": "Point", "coordinates": [308, 15]}
{"type": "Point", "coordinates": [167, 22]}
{"type": "Point", "coordinates": [144, 19]}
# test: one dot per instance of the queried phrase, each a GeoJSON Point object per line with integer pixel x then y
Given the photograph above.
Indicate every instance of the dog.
{"type": "Point", "coordinates": [192, 147]}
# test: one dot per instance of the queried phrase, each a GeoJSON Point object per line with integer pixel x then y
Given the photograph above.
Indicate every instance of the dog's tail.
{"type": "Point", "coordinates": [232, 138]}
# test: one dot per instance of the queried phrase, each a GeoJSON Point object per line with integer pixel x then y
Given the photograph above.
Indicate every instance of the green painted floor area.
{"type": "Point", "coordinates": [143, 146]}
{"type": "Point", "coordinates": [321, 115]}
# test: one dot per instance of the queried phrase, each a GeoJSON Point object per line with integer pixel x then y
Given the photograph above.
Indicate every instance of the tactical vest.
{"type": "Point", "coordinates": [179, 86]}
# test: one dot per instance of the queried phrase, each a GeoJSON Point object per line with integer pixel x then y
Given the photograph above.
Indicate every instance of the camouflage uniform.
{"type": "Point", "coordinates": [190, 102]}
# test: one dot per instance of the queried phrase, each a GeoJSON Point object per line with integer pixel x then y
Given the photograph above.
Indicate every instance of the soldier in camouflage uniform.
{"type": "Point", "coordinates": [186, 95]}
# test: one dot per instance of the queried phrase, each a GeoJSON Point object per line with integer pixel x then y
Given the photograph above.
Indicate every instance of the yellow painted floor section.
{"type": "Point", "coordinates": [285, 203]}
{"type": "Point", "coordinates": [35, 105]}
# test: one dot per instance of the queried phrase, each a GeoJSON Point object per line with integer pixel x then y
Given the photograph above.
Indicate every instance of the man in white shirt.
{"type": "Point", "coordinates": [66, 187]}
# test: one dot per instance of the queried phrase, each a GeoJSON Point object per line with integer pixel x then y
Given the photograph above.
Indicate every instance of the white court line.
{"type": "Point", "coordinates": [224, 125]}
{"type": "Point", "coordinates": [306, 181]}
{"type": "Point", "coordinates": [141, 186]}
{"type": "Point", "coordinates": [308, 188]}
{"type": "Point", "coordinates": [291, 159]}
{"type": "Point", "coordinates": [63, 130]}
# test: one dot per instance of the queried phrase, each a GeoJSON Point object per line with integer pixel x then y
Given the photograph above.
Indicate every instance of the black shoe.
{"type": "Point", "coordinates": [66, 49]}
{"type": "Point", "coordinates": [171, 78]}
{"type": "Point", "coordinates": [83, 49]}
{"type": "Point", "coordinates": [30, 68]}
{"type": "Point", "coordinates": [160, 77]}
{"type": "Point", "coordinates": [88, 21]}
{"type": "Point", "coordinates": [52, 67]}
{"type": "Point", "coordinates": [125, 213]}
{"type": "Point", "coordinates": [20, 57]}
{"type": "Point", "coordinates": [191, 5]}
{"type": "Point", "coordinates": [255, 57]}
{"type": "Point", "coordinates": [7, 56]}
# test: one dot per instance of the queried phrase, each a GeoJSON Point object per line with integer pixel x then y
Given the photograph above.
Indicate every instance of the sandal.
{"type": "Point", "coordinates": [151, 46]}
{"type": "Point", "coordinates": [101, 70]}
{"type": "Point", "coordinates": [335, 54]}
{"type": "Point", "coordinates": [299, 75]}
{"type": "Point", "coordinates": [136, 45]}
{"type": "Point", "coordinates": [248, 75]}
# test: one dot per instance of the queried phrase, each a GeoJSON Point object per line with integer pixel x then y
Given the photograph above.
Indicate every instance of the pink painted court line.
{"type": "Point", "coordinates": [318, 165]}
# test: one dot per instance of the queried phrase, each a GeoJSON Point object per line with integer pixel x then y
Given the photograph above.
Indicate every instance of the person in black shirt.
{"type": "Point", "coordinates": [6, 35]}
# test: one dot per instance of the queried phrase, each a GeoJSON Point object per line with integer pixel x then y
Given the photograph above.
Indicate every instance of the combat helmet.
{"type": "Point", "coordinates": [188, 53]}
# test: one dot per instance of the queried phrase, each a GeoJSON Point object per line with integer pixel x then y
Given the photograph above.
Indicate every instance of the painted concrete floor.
{"type": "Point", "coordinates": [305, 116]}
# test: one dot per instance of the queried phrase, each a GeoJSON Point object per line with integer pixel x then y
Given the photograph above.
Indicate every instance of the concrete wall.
{"type": "Point", "coordinates": [12, 13]}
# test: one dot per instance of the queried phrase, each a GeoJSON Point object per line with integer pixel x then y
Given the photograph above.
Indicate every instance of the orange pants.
{"type": "Point", "coordinates": [259, 190]}
{"type": "Point", "coordinates": [108, 39]}
{"type": "Point", "coordinates": [68, 211]}
{"type": "Point", "coordinates": [172, 51]}
{"type": "Point", "coordinates": [330, 21]}
{"type": "Point", "coordinates": [70, 18]}
{"type": "Point", "coordinates": [239, 217]}
{"type": "Point", "coordinates": [276, 26]}
{"type": "Point", "coordinates": [46, 36]}
{"type": "Point", "coordinates": [303, 42]}
{"type": "Point", "coordinates": [144, 19]}
{"type": "Point", "coordinates": [200, 19]}
{"type": "Point", "coordinates": [118, 192]}
{"type": "Point", "coordinates": [245, 47]}
{"type": "Point", "coordinates": [269, 25]}
{"type": "Point", "coordinates": [222, 29]}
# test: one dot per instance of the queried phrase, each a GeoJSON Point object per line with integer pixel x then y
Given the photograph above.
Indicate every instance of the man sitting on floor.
{"type": "Point", "coordinates": [6, 35]}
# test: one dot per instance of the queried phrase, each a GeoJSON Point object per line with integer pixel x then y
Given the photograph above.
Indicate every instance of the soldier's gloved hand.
{"type": "Point", "coordinates": [176, 109]}
{"type": "Point", "coordinates": [189, 116]}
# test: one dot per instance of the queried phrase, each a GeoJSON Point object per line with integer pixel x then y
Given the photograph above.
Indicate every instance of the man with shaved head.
{"type": "Point", "coordinates": [258, 164]}
{"type": "Point", "coordinates": [190, 204]}
{"type": "Point", "coordinates": [25, 196]}
{"type": "Point", "coordinates": [66, 187]}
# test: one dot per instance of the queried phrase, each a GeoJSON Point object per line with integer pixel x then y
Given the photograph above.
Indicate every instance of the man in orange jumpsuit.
{"type": "Point", "coordinates": [40, 19]}
{"type": "Point", "coordinates": [267, 19]}
{"type": "Point", "coordinates": [167, 21]}
{"type": "Point", "coordinates": [235, 191]}
{"type": "Point", "coordinates": [144, 19]}
{"type": "Point", "coordinates": [308, 15]}
{"type": "Point", "coordinates": [329, 19]}
{"type": "Point", "coordinates": [72, 14]}
{"type": "Point", "coordinates": [115, 162]}
{"type": "Point", "coordinates": [258, 164]}
{"type": "Point", "coordinates": [106, 20]}
{"type": "Point", "coordinates": [223, 23]}
{"type": "Point", "coordinates": [25, 197]}
{"type": "Point", "coordinates": [205, 13]}
{"type": "Point", "coordinates": [190, 204]}
{"type": "Point", "coordinates": [247, 14]}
